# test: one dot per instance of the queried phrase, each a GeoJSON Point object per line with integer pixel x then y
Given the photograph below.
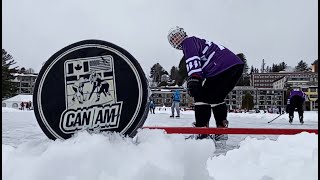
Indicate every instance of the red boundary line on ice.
{"type": "Point", "coordinates": [194, 130]}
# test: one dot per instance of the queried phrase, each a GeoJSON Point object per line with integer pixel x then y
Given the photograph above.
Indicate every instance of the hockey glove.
{"type": "Point", "coordinates": [194, 86]}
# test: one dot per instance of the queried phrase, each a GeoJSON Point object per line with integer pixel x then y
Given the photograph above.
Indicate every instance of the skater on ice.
{"type": "Point", "coordinates": [213, 71]}
{"type": "Point", "coordinates": [296, 101]}
{"type": "Point", "coordinates": [152, 107]}
{"type": "Point", "coordinates": [175, 103]}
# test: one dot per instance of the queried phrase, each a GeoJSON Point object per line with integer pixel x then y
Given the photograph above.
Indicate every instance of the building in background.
{"type": "Point", "coordinates": [295, 82]}
{"type": "Point", "coordinates": [25, 82]}
{"type": "Point", "coordinates": [314, 66]}
{"type": "Point", "coordinates": [162, 96]}
{"type": "Point", "coordinates": [269, 90]}
{"type": "Point", "coordinates": [266, 80]}
{"type": "Point", "coordinates": [312, 93]}
{"type": "Point", "coordinates": [263, 98]}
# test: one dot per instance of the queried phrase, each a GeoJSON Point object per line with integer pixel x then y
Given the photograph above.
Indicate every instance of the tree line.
{"type": "Point", "coordinates": [178, 74]}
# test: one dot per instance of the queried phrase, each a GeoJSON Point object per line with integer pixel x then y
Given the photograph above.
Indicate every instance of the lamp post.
{"type": "Point", "coordinates": [257, 106]}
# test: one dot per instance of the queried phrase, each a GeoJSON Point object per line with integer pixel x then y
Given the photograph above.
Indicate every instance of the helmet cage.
{"type": "Point", "coordinates": [176, 36]}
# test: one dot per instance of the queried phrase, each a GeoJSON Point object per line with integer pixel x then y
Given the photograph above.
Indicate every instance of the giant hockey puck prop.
{"type": "Point", "coordinates": [90, 85]}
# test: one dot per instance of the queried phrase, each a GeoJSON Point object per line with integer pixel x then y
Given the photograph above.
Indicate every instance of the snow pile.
{"type": "Point", "coordinates": [290, 157]}
{"type": "Point", "coordinates": [160, 156]}
{"type": "Point", "coordinates": [28, 154]}
{"type": "Point", "coordinates": [157, 156]}
{"type": "Point", "coordinates": [7, 109]}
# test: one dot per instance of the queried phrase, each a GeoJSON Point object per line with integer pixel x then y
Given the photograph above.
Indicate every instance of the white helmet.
{"type": "Point", "coordinates": [175, 36]}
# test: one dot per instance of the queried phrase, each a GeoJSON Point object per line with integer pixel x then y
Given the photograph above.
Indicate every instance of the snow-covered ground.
{"type": "Point", "coordinates": [29, 155]}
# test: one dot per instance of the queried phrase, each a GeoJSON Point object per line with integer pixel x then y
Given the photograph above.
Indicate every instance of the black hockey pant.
{"type": "Point", "coordinates": [296, 102]}
{"type": "Point", "coordinates": [214, 91]}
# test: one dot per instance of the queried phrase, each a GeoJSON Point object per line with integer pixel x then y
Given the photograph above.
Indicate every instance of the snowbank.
{"type": "Point", "coordinates": [7, 109]}
{"type": "Point", "coordinates": [28, 154]}
{"type": "Point", "coordinates": [160, 156]}
{"type": "Point", "coordinates": [157, 156]}
{"type": "Point", "coordinates": [288, 158]}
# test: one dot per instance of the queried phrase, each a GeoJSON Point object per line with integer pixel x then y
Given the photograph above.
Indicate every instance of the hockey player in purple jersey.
{"type": "Point", "coordinates": [295, 101]}
{"type": "Point", "coordinates": [213, 71]}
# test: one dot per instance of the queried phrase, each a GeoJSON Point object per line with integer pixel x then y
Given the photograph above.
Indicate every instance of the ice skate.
{"type": "Point", "coordinates": [301, 119]}
{"type": "Point", "coordinates": [290, 119]}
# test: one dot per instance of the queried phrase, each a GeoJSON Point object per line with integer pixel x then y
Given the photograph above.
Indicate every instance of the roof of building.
{"type": "Point", "coordinates": [19, 98]}
{"type": "Point", "coordinates": [279, 79]}
{"type": "Point", "coordinates": [27, 74]}
{"type": "Point", "coordinates": [281, 73]}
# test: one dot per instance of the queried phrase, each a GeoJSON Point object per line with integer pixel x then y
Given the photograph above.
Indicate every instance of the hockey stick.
{"type": "Point", "coordinates": [275, 118]}
{"type": "Point", "coordinates": [202, 103]}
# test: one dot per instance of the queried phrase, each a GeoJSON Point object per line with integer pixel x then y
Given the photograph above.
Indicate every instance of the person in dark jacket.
{"type": "Point", "coordinates": [22, 105]}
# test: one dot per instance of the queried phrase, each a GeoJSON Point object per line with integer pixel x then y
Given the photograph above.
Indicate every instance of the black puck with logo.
{"type": "Point", "coordinates": [90, 85]}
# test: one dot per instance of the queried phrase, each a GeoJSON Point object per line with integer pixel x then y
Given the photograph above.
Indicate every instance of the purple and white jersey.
{"type": "Point", "coordinates": [297, 92]}
{"type": "Point", "coordinates": [207, 59]}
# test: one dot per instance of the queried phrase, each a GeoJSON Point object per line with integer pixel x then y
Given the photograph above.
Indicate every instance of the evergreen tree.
{"type": "Point", "coordinates": [263, 66]}
{"type": "Point", "coordinates": [156, 72]}
{"type": "Point", "coordinates": [164, 72]}
{"type": "Point", "coordinates": [22, 70]}
{"type": "Point", "coordinates": [252, 70]}
{"type": "Point", "coordinates": [282, 66]}
{"type": "Point", "coordinates": [268, 69]}
{"type": "Point", "coordinates": [245, 79]}
{"type": "Point", "coordinates": [244, 59]}
{"type": "Point", "coordinates": [174, 74]}
{"type": "Point", "coordinates": [163, 83]}
{"type": "Point", "coordinates": [276, 67]}
{"type": "Point", "coordinates": [183, 74]}
{"type": "Point", "coordinates": [302, 66]}
{"type": "Point", "coordinates": [8, 87]}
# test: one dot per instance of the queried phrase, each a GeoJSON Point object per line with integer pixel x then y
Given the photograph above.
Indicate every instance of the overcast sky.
{"type": "Point", "coordinates": [274, 30]}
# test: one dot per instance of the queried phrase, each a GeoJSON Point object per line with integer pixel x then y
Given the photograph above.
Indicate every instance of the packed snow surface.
{"type": "Point", "coordinates": [29, 155]}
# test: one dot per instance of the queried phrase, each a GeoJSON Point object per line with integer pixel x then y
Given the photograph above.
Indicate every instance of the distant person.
{"type": "Point", "coordinates": [30, 105]}
{"type": "Point", "coordinates": [22, 105]}
{"type": "Point", "coordinates": [27, 106]}
{"type": "Point", "coordinates": [175, 103]}
{"type": "Point", "coordinates": [295, 101]}
{"type": "Point", "coordinates": [152, 107]}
